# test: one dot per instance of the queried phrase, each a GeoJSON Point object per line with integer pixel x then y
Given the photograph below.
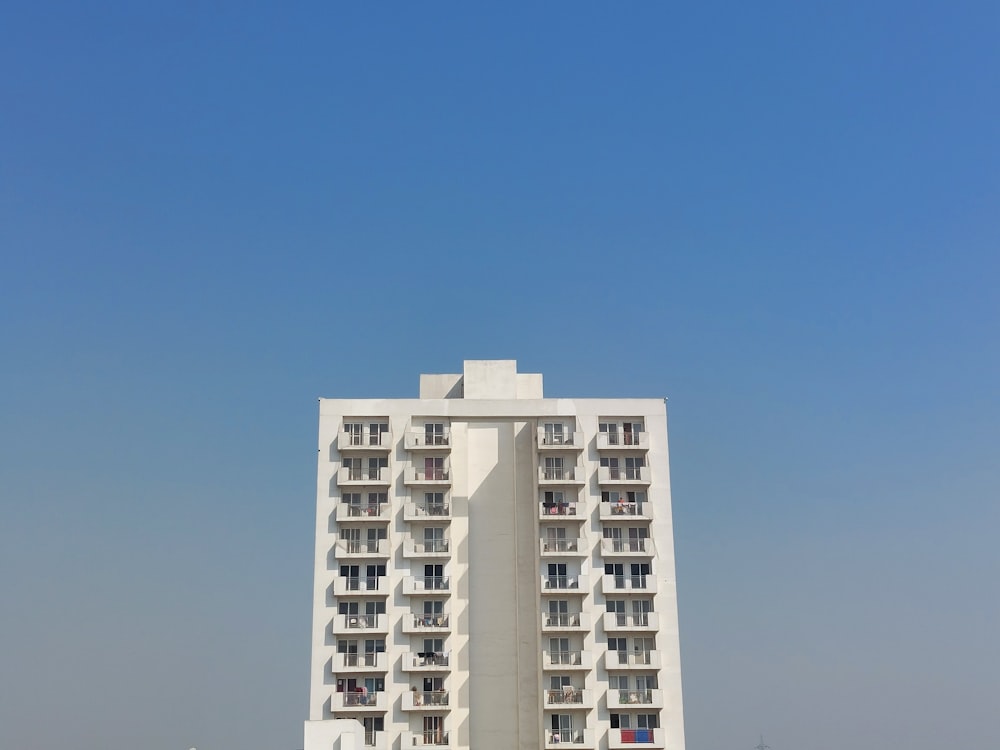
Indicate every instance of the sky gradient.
{"type": "Point", "coordinates": [783, 218]}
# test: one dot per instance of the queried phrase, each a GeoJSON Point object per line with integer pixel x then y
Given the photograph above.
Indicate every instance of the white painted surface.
{"type": "Point", "coordinates": [499, 660]}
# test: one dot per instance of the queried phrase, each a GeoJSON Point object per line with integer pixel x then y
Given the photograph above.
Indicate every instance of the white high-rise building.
{"type": "Point", "coordinates": [494, 571]}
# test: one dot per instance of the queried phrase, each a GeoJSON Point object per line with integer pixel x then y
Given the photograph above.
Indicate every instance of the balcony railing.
{"type": "Point", "coordinates": [631, 621]}
{"type": "Point", "coordinates": [632, 660]}
{"type": "Point", "coordinates": [621, 739]}
{"type": "Point", "coordinates": [560, 440]}
{"type": "Point", "coordinates": [425, 547]}
{"type": "Point", "coordinates": [346, 585]}
{"type": "Point", "coordinates": [559, 546]}
{"type": "Point", "coordinates": [618, 584]}
{"type": "Point", "coordinates": [362, 511]}
{"type": "Point", "coordinates": [426, 661]}
{"type": "Point", "coordinates": [367, 661]}
{"type": "Point", "coordinates": [354, 475]}
{"type": "Point", "coordinates": [566, 697]}
{"type": "Point", "coordinates": [415, 440]}
{"type": "Point", "coordinates": [560, 475]}
{"type": "Point", "coordinates": [623, 475]}
{"type": "Point", "coordinates": [564, 583]}
{"type": "Point", "coordinates": [414, 475]}
{"type": "Point", "coordinates": [566, 659]}
{"type": "Point", "coordinates": [429, 737]}
{"type": "Point", "coordinates": [426, 585]}
{"type": "Point", "coordinates": [622, 441]}
{"type": "Point", "coordinates": [630, 546]}
{"type": "Point", "coordinates": [418, 623]}
{"type": "Point", "coordinates": [420, 510]}
{"type": "Point", "coordinates": [432, 700]}
{"type": "Point", "coordinates": [365, 440]}
{"type": "Point", "coordinates": [565, 621]}
{"type": "Point", "coordinates": [642, 698]}
{"type": "Point", "coordinates": [558, 738]}
{"type": "Point", "coordinates": [625, 510]}
{"type": "Point", "coordinates": [547, 510]}
{"type": "Point", "coordinates": [360, 701]}
{"type": "Point", "coordinates": [345, 548]}
{"type": "Point", "coordinates": [352, 623]}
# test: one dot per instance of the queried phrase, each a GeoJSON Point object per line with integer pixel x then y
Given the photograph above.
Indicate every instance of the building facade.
{"type": "Point", "coordinates": [494, 570]}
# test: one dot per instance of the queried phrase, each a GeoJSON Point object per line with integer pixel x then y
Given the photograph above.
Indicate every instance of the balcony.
{"type": "Point", "coordinates": [347, 512]}
{"type": "Point", "coordinates": [560, 738]}
{"type": "Point", "coordinates": [364, 476]}
{"type": "Point", "coordinates": [434, 700]}
{"type": "Point", "coordinates": [424, 511]}
{"type": "Point", "coordinates": [417, 623]}
{"type": "Point", "coordinates": [623, 441]}
{"type": "Point", "coordinates": [612, 476]}
{"type": "Point", "coordinates": [420, 548]}
{"type": "Point", "coordinates": [621, 739]}
{"type": "Point", "coordinates": [571, 584]}
{"type": "Point", "coordinates": [426, 585]}
{"type": "Point", "coordinates": [632, 660]}
{"type": "Point", "coordinates": [628, 584]}
{"type": "Point", "coordinates": [647, 622]}
{"type": "Point", "coordinates": [414, 476]}
{"type": "Point", "coordinates": [362, 703]}
{"type": "Point", "coordinates": [350, 549]}
{"type": "Point", "coordinates": [567, 660]}
{"type": "Point", "coordinates": [561, 547]}
{"type": "Point", "coordinates": [415, 440]}
{"type": "Point", "coordinates": [560, 511]}
{"type": "Point", "coordinates": [365, 441]}
{"type": "Point", "coordinates": [429, 738]}
{"type": "Point", "coordinates": [360, 624]}
{"type": "Point", "coordinates": [635, 699]}
{"type": "Point", "coordinates": [568, 698]}
{"type": "Point", "coordinates": [560, 441]}
{"type": "Point", "coordinates": [631, 547]}
{"type": "Point", "coordinates": [560, 477]}
{"type": "Point", "coordinates": [430, 661]}
{"type": "Point", "coordinates": [360, 586]}
{"type": "Point", "coordinates": [560, 622]}
{"type": "Point", "coordinates": [366, 662]}
{"type": "Point", "coordinates": [623, 511]}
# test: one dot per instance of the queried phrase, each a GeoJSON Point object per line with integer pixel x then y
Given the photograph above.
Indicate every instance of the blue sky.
{"type": "Point", "coordinates": [783, 217]}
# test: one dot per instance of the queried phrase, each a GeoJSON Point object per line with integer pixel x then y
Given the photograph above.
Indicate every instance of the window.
{"type": "Point", "coordinates": [434, 434]}
{"type": "Point", "coordinates": [434, 579]}
{"type": "Point", "coordinates": [434, 504]}
{"type": "Point", "coordinates": [557, 578]}
{"type": "Point", "coordinates": [630, 433]}
{"type": "Point", "coordinates": [640, 611]}
{"type": "Point", "coordinates": [433, 469]}
{"type": "Point", "coordinates": [433, 731]}
{"type": "Point", "coordinates": [611, 430]}
{"type": "Point", "coordinates": [633, 467]}
{"type": "Point", "coordinates": [374, 725]}
{"type": "Point", "coordinates": [638, 574]}
{"type": "Point", "coordinates": [355, 433]}
{"type": "Point", "coordinates": [559, 652]}
{"type": "Point", "coordinates": [562, 728]}
{"type": "Point", "coordinates": [434, 540]}
{"type": "Point", "coordinates": [554, 434]}
{"type": "Point", "coordinates": [558, 614]}
{"type": "Point", "coordinates": [376, 430]}
{"type": "Point", "coordinates": [554, 468]}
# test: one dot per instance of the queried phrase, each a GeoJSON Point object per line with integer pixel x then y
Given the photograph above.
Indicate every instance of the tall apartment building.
{"type": "Point", "coordinates": [494, 571]}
